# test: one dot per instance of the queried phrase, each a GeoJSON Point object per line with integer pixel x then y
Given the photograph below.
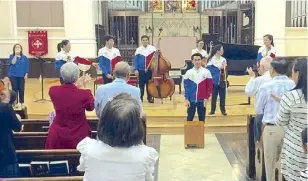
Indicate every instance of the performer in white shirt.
{"type": "Point", "coordinates": [108, 56]}
{"type": "Point", "coordinates": [217, 65]}
{"type": "Point", "coordinates": [64, 55]}
{"type": "Point", "coordinates": [267, 50]}
{"type": "Point", "coordinates": [142, 59]}
{"type": "Point", "coordinates": [199, 49]}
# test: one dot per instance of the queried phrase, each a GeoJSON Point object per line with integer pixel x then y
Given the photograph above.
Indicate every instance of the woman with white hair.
{"type": "Point", "coordinates": [70, 101]}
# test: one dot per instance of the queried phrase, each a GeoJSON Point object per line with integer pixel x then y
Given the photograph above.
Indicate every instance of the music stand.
{"type": "Point", "coordinates": [42, 61]}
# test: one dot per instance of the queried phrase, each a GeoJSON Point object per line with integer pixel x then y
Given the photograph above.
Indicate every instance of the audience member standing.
{"type": "Point", "coordinates": [253, 86]}
{"type": "Point", "coordinates": [304, 173]}
{"type": "Point", "coordinates": [8, 123]}
{"type": "Point", "coordinates": [18, 72]}
{"type": "Point", "coordinates": [70, 124]}
{"type": "Point", "coordinates": [118, 153]}
{"type": "Point", "coordinates": [269, 107]}
{"type": "Point", "coordinates": [293, 115]}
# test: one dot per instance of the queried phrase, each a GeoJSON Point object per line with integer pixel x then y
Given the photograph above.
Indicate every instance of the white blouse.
{"type": "Point", "coordinates": [202, 52]}
{"type": "Point", "coordinates": [101, 162]}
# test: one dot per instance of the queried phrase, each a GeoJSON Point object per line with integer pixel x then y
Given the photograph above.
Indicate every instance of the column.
{"type": "Point", "coordinates": [80, 27]}
{"type": "Point", "coordinates": [8, 30]}
{"type": "Point", "coordinates": [270, 18]}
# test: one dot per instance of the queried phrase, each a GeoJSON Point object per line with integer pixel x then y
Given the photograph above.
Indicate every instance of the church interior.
{"type": "Point", "coordinates": [227, 151]}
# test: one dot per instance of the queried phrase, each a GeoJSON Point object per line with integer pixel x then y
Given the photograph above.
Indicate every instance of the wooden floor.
{"type": "Point", "coordinates": [166, 118]}
{"type": "Point", "coordinates": [235, 149]}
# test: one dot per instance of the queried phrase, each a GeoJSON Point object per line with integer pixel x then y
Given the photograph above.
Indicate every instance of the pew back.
{"type": "Point", "coordinates": [33, 140]}
{"type": "Point", "coordinates": [72, 156]}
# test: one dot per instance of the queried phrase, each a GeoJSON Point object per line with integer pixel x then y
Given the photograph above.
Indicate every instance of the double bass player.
{"type": "Point", "coordinates": [142, 59]}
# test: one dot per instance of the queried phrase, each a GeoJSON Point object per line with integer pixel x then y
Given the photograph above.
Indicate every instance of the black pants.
{"type": "Point", "coordinates": [221, 90]}
{"type": "Point", "coordinates": [192, 109]}
{"type": "Point", "coordinates": [143, 78]}
{"type": "Point", "coordinates": [106, 79]}
{"type": "Point", "coordinates": [18, 85]}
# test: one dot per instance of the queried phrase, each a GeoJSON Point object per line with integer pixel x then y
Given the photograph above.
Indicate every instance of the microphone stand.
{"type": "Point", "coordinates": [42, 61]}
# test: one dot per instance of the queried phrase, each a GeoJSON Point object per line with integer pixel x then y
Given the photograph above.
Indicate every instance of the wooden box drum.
{"type": "Point", "coordinates": [194, 134]}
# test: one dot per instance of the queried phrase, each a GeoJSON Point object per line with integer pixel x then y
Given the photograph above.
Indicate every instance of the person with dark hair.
{"type": "Point", "coordinates": [65, 56]}
{"type": "Point", "coordinates": [198, 85]}
{"type": "Point", "coordinates": [143, 56]}
{"type": "Point", "coordinates": [269, 107]}
{"type": "Point", "coordinates": [199, 49]}
{"type": "Point", "coordinates": [267, 50]}
{"type": "Point", "coordinates": [119, 85]}
{"type": "Point", "coordinates": [293, 116]}
{"type": "Point", "coordinates": [8, 123]}
{"type": "Point", "coordinates": [18, 72]}
{"type": "Point", "coordinates": [118, 152]}
{"type": "Point", "coordinates": [304, 173]}
{"type": "Point", "coordinates": [217, 65]}
{"type": "Point", "coordinates": [108, 56]}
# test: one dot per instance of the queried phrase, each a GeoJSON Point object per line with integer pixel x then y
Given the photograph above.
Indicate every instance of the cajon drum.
{"type": "Point", "coordinates": [194, 134]}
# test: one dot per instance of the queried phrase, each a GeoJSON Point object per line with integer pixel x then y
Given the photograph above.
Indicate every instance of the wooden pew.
{"type": "Point", "coordinates": [250, 169]}
{"type": "Point", "coordinates": [33, 140]}
{"type": "Point", "coordinates": [255, 167]}
{"type": "Point", "coordinates": [27, 156]}
{"type": "Point", "coordinates": [42, 125]}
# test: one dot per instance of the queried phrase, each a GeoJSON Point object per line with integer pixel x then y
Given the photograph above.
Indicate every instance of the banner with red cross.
{"type": "Point", "coordinates": [38, 43]}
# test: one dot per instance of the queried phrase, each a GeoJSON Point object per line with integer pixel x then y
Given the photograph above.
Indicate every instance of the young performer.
{"type": "Point", "coordinates": [198, 85]}
{"type": "Point", "coordinates": [267, 50]}
{"type": "Point", "coordinates": [199, 49]}
{"type": "Point", "coordinates": [217, 65]}
{"type": "Point", "coordinates": [108, 56]}
{"type": "Point", "coordinates": [64, 56]}
{"type": "Point", "coordinates": [18, 71]}
{"type": "Point", "coordinates": [142, 59]}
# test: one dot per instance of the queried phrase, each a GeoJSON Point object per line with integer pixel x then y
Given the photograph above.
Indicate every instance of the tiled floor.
{"type": "Point", "coordinates": [208, 164]}
{"type": "Point", "coordinates": [224, 158]}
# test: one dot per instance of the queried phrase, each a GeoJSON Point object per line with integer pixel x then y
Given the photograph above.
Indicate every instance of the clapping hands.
{"type": "Point", "coordinates": [83, 81]}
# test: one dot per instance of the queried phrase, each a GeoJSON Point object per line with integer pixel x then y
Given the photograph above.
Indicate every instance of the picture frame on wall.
{"type": "Point", "coordinates": [156, 6]}
{"type": "Point", "coordinates": [173, 6]}
{"type": "Point", "coordinates": [189, 6]}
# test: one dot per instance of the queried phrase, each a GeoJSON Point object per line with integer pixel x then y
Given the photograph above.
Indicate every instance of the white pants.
{"type": "Point", "coordinates": [272, 145]}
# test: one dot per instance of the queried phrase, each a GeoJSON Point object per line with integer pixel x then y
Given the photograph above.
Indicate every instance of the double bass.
{"type": "Point", "coordinates": [161, 85]}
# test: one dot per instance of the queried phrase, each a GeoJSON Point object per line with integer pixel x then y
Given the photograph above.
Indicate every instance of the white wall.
{"type": "Point", "coordinates": [79, 29]}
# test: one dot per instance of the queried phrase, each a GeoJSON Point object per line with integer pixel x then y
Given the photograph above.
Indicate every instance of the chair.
{"type": "Point", "coordinates": [188, 65]}
{"type": "Point", "coordinates": [175, 74]}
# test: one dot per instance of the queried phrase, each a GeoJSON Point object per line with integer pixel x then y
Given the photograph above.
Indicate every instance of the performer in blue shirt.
{"type": "Point", "coordinates": [217, 65]}
{"type": "Point", "coordinates": [108, 56]}
{"type": "Point", "coordinates": [142, 59]}
{"type": "Point", "coordinates": [64, 56]}
{"type": "Point", "coordinates": [18, 71]}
